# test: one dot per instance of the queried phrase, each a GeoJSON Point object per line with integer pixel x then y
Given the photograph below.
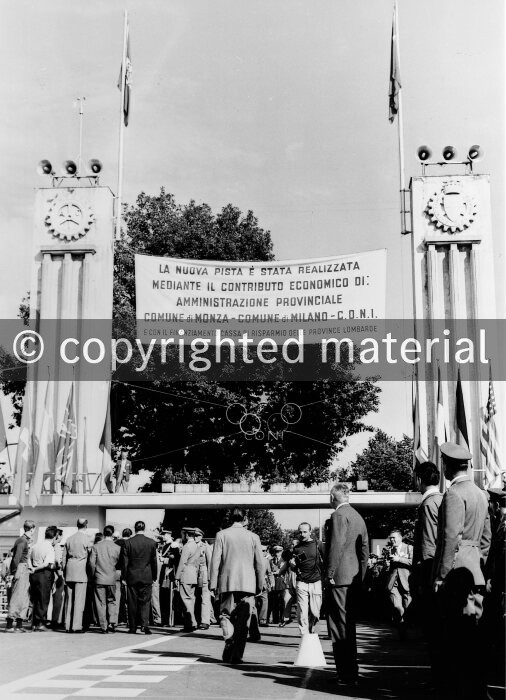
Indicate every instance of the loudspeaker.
{"type": "Point", "coordinates": [69, 168]}
{"type": "Point", "coordinates": [44, 167]}
{"type": "Point", "coordinates": [95, 166]}
{"type": "Point", "coordinates": [424, 153]}
{"type": "Point", "coordinates": [475, 152]}
{"type": "Point", "coordinates": [449, 153]}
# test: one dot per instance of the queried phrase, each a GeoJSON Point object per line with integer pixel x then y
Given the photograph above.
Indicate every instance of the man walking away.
{"type": "Point", "coordinates": [424, 549]}
{"type": "Point", "coordinates": [121, 589]}
{"type": "Point", "coordinates": [43, 564]}
{"type": "Point", "coordinates": [463, 543]}
{"type": "Point", "coordinates": [75, 559]}
{"type": "Point", "coordinates": [204, 595]}
{"type": "Point", "coordinates": [20, 569]}
{"type": "Point", "coordinates": [139, 571]}
{"type": "Point", "coordinates": [347, 554]}
{"type": "Point", "coordinates": [307, 562]}
{"type": "Point", "coordinates": [104, 559]}
{"type": "Point", "coordinates": [237, 574]}
{"type": "Point", "coordinates": [187, 577]}
{"type": "Point", "coordinates": [59, 583]}
{"type": "Point", "coordinates": [400, 557]}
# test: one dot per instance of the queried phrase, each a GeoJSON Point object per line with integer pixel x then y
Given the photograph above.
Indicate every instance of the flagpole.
{"type": "Point", "coordinates": [400, 126]}
{"type": "Point", "coordinates": [119, 195]}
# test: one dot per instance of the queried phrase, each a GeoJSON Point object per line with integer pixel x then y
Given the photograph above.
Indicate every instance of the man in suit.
{"type": "Point", "coordinates": [347, 554]}
{"type": "Point", "coordinates": [75, 559]}
{"type": "Point", "coordinates": [104, 557]}
{"type": "Point", "coordinates": [139, 571]}
{"type": "Point", "coordinates": [237, 574]}
{"type": "Point", "coordinates": [424, 549]}
{"type": "Point", "coordinates": [463, 544]}
{"type": "Point", "coordinates": [187, 577]}
{"type": "Point", "coordinates": [121, 472]}
{"type": "Point", "coordinates": [399, 560]}
{"type": "Point", "coordinates": [203, 593]}
{"type": "Point", "coordinates": [19, 601]}
{"type": "Point", "coordinates": [59, 583]}
{"type": "Point", "coordinates": [121, 589]}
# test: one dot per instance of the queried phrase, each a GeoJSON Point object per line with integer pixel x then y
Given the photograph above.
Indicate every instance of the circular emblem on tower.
{"type": "Point", "coordinates": [452, 209]}
{"type": "Point", "coordinates": [68, 220]}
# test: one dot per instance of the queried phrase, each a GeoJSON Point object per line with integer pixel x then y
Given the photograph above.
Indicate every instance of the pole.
{"type": "Point", "coordinates": [80, 100]}
{"type": "Point", "coordinates": [121, 130]}
{"type": "Point", "coordinates": [400, 127]}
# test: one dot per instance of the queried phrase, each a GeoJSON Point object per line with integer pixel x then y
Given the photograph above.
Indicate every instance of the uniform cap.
{"type": "Point", "coordinates": [454, 451]}
{"type": "Point", "coordinates": [277, 548]}
{"type": "Point", "coordinates": [198, 531]}
{"type": "Point", "coordinates": [188, 530]}
{"type": "Point", "coordinates": [498, 496]}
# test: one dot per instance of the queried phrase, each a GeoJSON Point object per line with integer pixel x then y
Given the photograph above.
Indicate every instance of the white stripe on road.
{"type": "Point", "coordinates": [105, 693]}
{"type": "Point", "coordinates": [137, 679]}
{"type": "Point", "coordinates": [70, 683]}
{"type": "Point", "coordinates": [156, 667]}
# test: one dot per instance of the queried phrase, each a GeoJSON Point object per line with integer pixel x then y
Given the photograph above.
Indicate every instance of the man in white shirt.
{"type": "Point", "coordinates": [42, 561]}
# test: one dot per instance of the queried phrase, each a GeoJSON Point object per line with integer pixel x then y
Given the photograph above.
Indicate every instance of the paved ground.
{"type": "Point", "coordinates": [56, 666]}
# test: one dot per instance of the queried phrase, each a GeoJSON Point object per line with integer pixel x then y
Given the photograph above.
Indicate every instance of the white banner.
{"type": "Point", "coordinates": [337, 288]}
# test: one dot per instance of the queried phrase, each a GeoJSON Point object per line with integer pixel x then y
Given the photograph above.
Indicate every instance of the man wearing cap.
{"type": "Point", "coordinates": [74, 561]}
{"type": "Point", "coordinates": [203, 592]}
{"type": "Point", "coordinates": [276, 594]}
{"type": "Point", "coordinates": [237, 574]}
{"type": "Point", "coordinates": [187, 577]}
{"type": "Point", "coordinates": [462, 549]}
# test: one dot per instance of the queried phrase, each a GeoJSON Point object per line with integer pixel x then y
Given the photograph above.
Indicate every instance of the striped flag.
{"type": "Point", "coordinates": [125, 74]}
{"type": "Point", "coordinates": [24, 452]}
{"type": "Point", "coordinates": [395, 77]}
{"type": "Point", "coordinates": [105, 445]}
{"type": "Point", "coordinates": [440, 432]}
{"type": "Point", "coordinates": [45, 455]}
{"type": "Point", "coordinates": [460, 415]}
{"type": "Point", "coordinates": [419, 455]}
{"type": "Point", "coordinates": [65, 451]}
{"type": "Point", "coordinates": [489, 441]}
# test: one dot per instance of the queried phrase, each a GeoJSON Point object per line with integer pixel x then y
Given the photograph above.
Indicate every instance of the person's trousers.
{"type": "Point", "coordinates": [342, 601]}
{"type": "Point", "coordinates": [139, 602]}
{"type": "Point", "coordinates": [289, 598]}
{"type": "Point", "coordinates": [204, 595]}
{"type": "Point", "coordinates": [309, 603]}
{"type": "Point", "coordinates": [123, 604]}
{"type": "Point", "coordinates": [155, 604]}
{"type": "Point", "coordinates": [187, 593]}
{"type": "Point", "coordinates": [399, 600]}
{"type": "Point", "coordinates": [58, 596]}
{"type": "Point", "coordinates": [20, 594]}
{"type": "Point", "coordinates": [75, 599]}
{"type": "Point", "coordinates": [106, 605]}
{"type": "Point", "coordinates": [41, 583]}
{"type": "Point", "coordinates": [235, 614]}
{"type": "Point", "coordinates": [275, 606]}
{"type": "Point", "coordinates": [262, 606]}
{"type": "Point", "coordinates": [432, 626]}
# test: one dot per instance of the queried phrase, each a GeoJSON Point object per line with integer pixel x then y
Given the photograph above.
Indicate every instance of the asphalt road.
{"type": "Point", "coordinates": [55, 666]}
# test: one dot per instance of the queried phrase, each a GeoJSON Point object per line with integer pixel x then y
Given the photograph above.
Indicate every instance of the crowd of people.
{"type": "Point", "coordinates": [453, 573]}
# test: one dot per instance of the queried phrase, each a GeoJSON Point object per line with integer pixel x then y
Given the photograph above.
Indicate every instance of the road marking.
{"type": "Point", "coordinates": [156, 667]}
{"type": "Point", "coordinates": [58, 683]}
{"type": "Point", "coordinates": [137, 679]}
{"type": "Point", "coordinates": [106, 693]}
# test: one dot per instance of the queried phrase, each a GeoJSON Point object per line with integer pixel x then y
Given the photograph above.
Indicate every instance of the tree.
{"type": "Point", "coordinates": [387, 464]}
{"type": "Point", "coordinates": [260, 521]}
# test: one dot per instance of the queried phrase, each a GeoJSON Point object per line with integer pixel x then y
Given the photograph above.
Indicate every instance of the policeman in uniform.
{"type": "Point", "coordinates": [203, 592]}
{"type": "Point", "coordinates": [463, 545]}
{"type": "Point", "coordinates": [187, 577]}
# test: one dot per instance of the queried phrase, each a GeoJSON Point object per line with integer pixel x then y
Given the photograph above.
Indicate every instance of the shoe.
{"type": "Point", "coordinates": [104, 631]}
{"type": "Point", "coordinates": [227, 628]}
{"type": "Point", "coordinates": [263, 623]}
{"type": "Point", "coordinates": [37, 628]}
{"type": "Point", "coordinates": [284, 623]}
{"type": "Point", "coordinates": [9, 629]}
{"type": "Point", "coordinates": [20, 630]}
{"type": "Point", "coordinates": [132, 631]}
{"type": "Point", "coordinates": [111, 629]}
{"type": "Point", "coordinates": [256, 638]}
{"type": "Point", "coordinates": [236, 662]}
{"type": "Point", "coordinates": [227, 651]}
{"type": "Point", "coordinates": [146, 630]}
{"type": "Point", "coordinates": [204, 627]}
{"type": "Point", "coordinates": [189, 629]}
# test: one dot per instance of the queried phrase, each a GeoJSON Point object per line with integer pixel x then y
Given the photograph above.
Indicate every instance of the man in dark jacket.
{"type": "Point", "coordinates": [104, 557]}
{"type": "Point", "coordinates": [140, 569]}
{"type": "Point", "coordinates": [347, 552]}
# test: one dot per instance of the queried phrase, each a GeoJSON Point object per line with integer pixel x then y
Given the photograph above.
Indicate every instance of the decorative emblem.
{"type": "Point", "coordinates": [68, 220]}
{"type": "Point", "coordinates": [452, 209]}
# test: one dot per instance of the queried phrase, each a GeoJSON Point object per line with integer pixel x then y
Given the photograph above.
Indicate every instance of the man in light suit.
{"type": "Point", "coordinates": [400, 558]}
{"type": "Point", "coordinates": [463, 545]}
{"type": "Point", "coordinates": [187, 577]}
{"type": "Point", "coordinates": [237, 574]}
{"type": "Point", "coordinates": [121, 472]}
{"type": "Point", "coordinates": [347, 553]}
{"type": "Point", "coordinates": [74, 562]}
{"type": "Point", "coordinates": [140, 568]}
{"type": "Point", "coordinates": [203, 593]}
{"type": "Point", "coordinates": [104, 557]}
{"type": "Point", "coordinates": [424, 549]}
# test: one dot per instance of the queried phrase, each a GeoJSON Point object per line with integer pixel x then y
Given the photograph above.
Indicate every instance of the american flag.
{"type": "Point", "coordinates": [489, 443]}
{"type": "Point", "coordinates": [65, 451]}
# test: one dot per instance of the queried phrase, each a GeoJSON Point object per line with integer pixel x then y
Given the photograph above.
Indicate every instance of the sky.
{"type": "Point", "coordinates": [276, 106]}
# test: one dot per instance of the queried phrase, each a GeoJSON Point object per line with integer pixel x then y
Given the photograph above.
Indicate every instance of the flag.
{"type": "Point", "coordinates": [489, 447]}
{"type": "Point", "coordinates": [419, 455]}
{"type": "Point", "coordinates": [24, 452]}
{"type": "Point", "coordinates": [395, 77]}
{"type": "Point", "coordinates": [440, 432]}
{"type": "Point", "coordinates": [125, 74]}
{"type": "Point", "coordinates": [105, 445]}
{"type": "Point", "coordinates": [44, 462]}
{"type": "Point", "coordinates": [65, 452]}
{"type": "Point", "coordinates": [460, 415]}
{"type": "Point", "coordinates": [3, 432]}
